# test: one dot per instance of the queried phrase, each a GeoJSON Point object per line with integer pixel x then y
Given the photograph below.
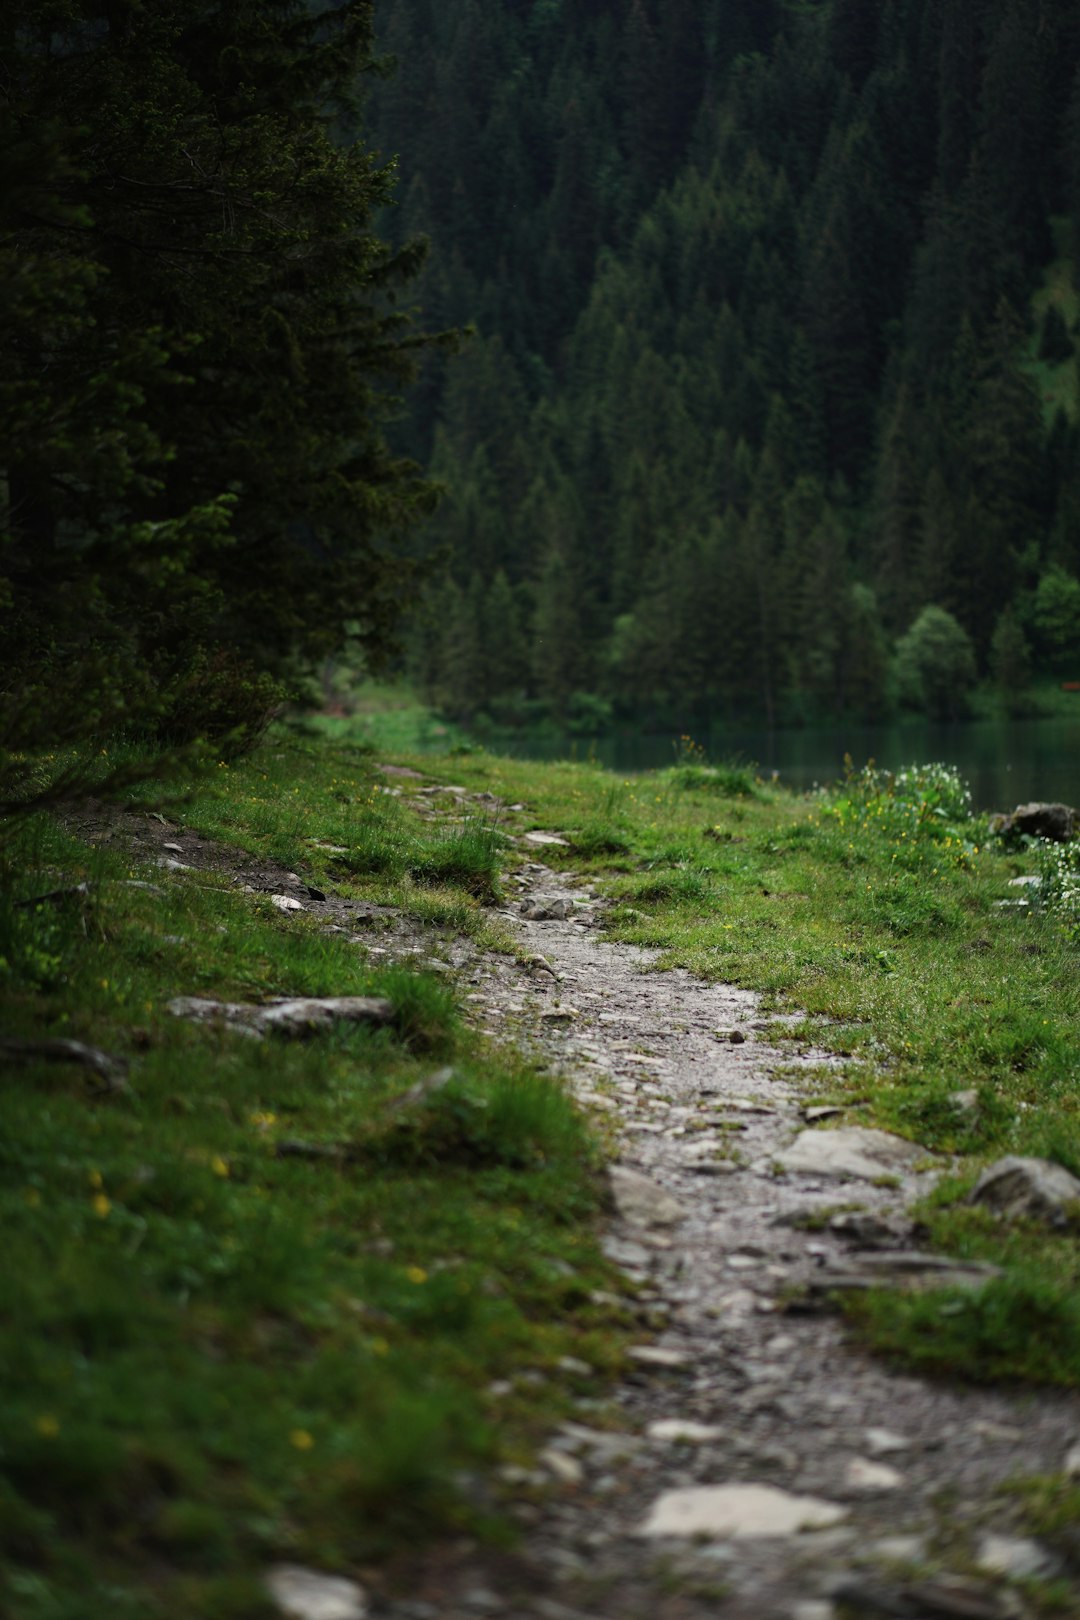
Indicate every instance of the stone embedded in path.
{"type": "Point", "coordinates": [1028, 1189]}
{"type": "Point", "coordinates": [541, 839]}
{"type": "Point", "coordinates": [883, 1442]}
{"type": "Point", "coordinates": [297, 1017]}
{"type": "Point", "coordinates": [861, 1475]}
{"type": "Point", "coordinates": [640, 1201]}
{"type": "Point", "coordinates": [305, 1594]}
{"type": "Point", "coordinates": [1016, 1558]}
{"type": "Point", "coordinates": [738, 1512]}
{"type": "Point", "coordinates": [654, 1355]}
{"type": "Point", "coordinates": [539, 909]}
{"type": "Point", "coordinates": [683, 1431]}
{"type": "Point", "coordinates": [857, 1152]}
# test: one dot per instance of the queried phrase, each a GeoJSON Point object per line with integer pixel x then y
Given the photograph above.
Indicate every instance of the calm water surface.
{"type": "Point", "coordinates": [1005, 762]}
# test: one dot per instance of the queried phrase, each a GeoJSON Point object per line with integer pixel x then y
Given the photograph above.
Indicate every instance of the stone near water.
{"type": "Point", "coordinates": [1028, 1189]}
{"type": "Point", "coordinates": [856, 1152]}
{"type": "Point", "coordinates": [305, 1594]}
{"type": "Point", "coordinates": [683, 1431]}
{"type": "Point", "coordinates": [738, 1512]}
{"type": "Point", "coordinates": [1056, 822]}
{"type": "Point", "coordinates": [640, 1201]}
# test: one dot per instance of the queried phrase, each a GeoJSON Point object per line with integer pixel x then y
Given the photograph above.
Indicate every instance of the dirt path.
{"type": "Point", "coordinates": [909, 1473]}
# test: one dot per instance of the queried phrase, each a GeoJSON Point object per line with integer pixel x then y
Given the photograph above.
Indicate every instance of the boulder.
{"type": "Point", "coordinates": [1057, 822]}
{"type": "Point", "coordinates": [306, 1594]}
{"type": "Point", "coordinates": [1028, 1189]}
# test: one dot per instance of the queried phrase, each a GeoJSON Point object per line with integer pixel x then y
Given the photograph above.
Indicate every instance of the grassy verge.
{"type": "Point", "coordinates": [214, 1356]}
{"type": "Point", "coordinates": [876, 909]}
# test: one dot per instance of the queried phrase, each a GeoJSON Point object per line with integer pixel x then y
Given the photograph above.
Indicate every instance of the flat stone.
{"type": "Point", "coordinates": [559, 1015]}
{"type": "Point", "coordinates": [305, 1594]}
{"type": "Point", "coordinates": [869, 1231]}
{"type": "Point", "coordinates": [654, 1355]}
{"type": "Point", "coordinates": [562, 1465]}
{"type": "Point", "coordinates": [738, 1512]}
{"type": "Point", "coordinates": [857, 1152]}
{"type": "Point", "coordinates": [285, 902]}
{"type": "Point", "coordinates": [624, 1252]}
{"type": "Point", "coordinates": [1071, 1464]}
{"type": "Point", "coordinates": [683, 1431]}
{"type": "Point", "coordinates": [1027, 1189]}
{"type": "Point", "coordinates": [641, 1201]}
{"type": "Point", "coordinates": [299, 1017]}
{"type": "Point", "coordinates": [904, 1268]}
{"type": "Point", "coordinates": [1016, 1558]}
{"type": "Point", "coordinates": [542, 839]}
{"type": "Point", "coordinates": [541, 910]}
{"type": "Point", "coordinates": [861, 1475]}
{"type": "Point", "coordinates": [883, 1442]}
{"type": "Point", "coordinates": [899, 1549]}
{"type": "Point", "coordinates": [822, 1111]}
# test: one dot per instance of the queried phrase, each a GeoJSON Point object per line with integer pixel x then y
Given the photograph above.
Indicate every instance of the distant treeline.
{"type": "Point", "coordinates": [776, 347]}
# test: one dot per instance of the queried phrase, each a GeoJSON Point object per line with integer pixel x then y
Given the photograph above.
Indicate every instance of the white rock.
{"type": "Point", "coordinates": [542, 838]}
{"type": "Point", "coordinates": [741, 1512]}
{"type": "Point", "coordinates": [682, 1431]}
{"type": "Point", "coordinates": [640, 1201]}
{"type": "Point", "coordinates": [900, 1549]}
{"type": "Point", "coordinates": [562, 1465]}
{"type": "Point", "coordinates": [1015, 1557]}
{"type": "Point", "coordinates": [1071, 1465]}
{"type": "Point", "coordinates": [285, 902]}
{"type": "Point", "coordinates": [304, 1594]}
{"type": "Point", "coordinates": [855, 1151]}
{"type": "Point", "coordinates": [861, 1475]}
{"type": "Point", "coordinates": [813, 1609]}
{"type": "Point", "coordinates": [654, 1355]}
{"type": "Point", "coordinates": [1028, 1189]}
{"type": "Point", "coordinates": [881, 1442]}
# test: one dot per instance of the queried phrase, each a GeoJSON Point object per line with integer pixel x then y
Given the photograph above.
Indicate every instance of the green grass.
{"type": "Point", "coordinates": [872, 909]}
{"type": "Point", "coordinates": [212, 1356]}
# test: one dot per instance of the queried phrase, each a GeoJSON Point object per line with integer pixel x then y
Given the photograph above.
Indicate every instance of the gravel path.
{"type": "Point", "coordinates": [739, 1389]}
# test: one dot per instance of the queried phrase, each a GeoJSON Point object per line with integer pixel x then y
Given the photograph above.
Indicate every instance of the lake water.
{"type": "Point", "coordinates": [1006, 762]}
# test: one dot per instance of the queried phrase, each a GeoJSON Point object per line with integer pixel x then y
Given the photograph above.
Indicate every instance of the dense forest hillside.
{"type": "Point", "coordinates": [772, 406]}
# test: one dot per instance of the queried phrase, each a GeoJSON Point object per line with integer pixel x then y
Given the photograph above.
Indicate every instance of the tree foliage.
{"type": "Point", "coordinates": [202, 347]}
{"type": "Point", "coordinates": [716, 250]}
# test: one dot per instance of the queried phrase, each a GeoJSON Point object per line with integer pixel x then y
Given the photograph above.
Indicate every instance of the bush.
{"type": "Point", "coordinates": [935, 665]}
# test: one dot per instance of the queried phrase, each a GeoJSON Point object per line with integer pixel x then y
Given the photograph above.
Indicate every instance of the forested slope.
{"type": "Point", "coordinates": [775, 347]}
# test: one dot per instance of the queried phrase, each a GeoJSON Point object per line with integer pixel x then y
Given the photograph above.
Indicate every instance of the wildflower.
{"type": "Point", "coordinates": [380, 1347]}
{"type": "Point", "coordinates": [47, 1426]}
{"type": "Point", "coordinates": [32, 1198]}
{"type": "Point", "coordinates": [95, 1179]}
{"type": "Point", "coordinates": [301, 1440]}
{"type": "Point", "coordinates": [219, 1166]}
{"type": "Point", "coordinates": [261, 1120]}
{"type": "Point", "coordinates": [101, 1205]}
{"type": "Point", "coordinates": [416, 1274]}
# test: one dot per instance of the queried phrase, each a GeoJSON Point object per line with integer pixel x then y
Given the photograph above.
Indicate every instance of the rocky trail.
{"type": "Point", "coordinates": [754, 1464]}
{"type": "Point", "coordinates": [764, 1469]}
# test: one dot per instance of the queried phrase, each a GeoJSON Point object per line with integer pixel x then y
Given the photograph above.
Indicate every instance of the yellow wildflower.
{"type": "Point", "coordinates": [102, 1205]}
{"type": "Point", "coordinates": [301, 1440]}
{"type": "Point", "coordinates": [219, 1166]}
{"type": "Point", "coordinates": [416, 1274]}
{"type": "Point", "coordinates": [47, 1426]}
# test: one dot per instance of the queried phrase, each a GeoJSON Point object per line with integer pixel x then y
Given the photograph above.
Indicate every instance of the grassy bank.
{"type": "Point", "coordinates": [262, 1307]}
{"type": "Point", "coordinates": [253, 1304]}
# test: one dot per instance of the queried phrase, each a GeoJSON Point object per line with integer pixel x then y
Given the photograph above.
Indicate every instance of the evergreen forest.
{"type": "Point", "coordinates": [770, 409]}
